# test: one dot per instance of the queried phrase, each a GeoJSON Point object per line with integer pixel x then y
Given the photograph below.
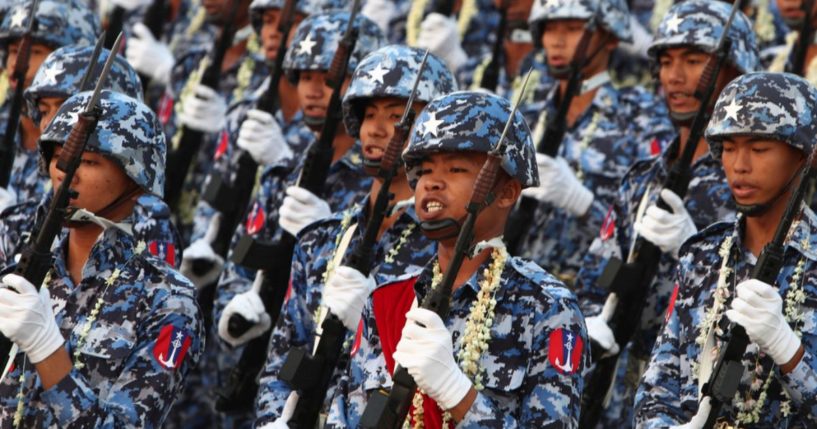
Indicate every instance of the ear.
{"type": "Point", "coordinates": [508, 192]}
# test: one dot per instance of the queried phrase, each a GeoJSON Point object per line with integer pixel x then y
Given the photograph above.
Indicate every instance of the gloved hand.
{"type": "Point", "coordinates": [758, 307]}
{"type": "Point", "coordinates": [346, 293]}
{"type": "Point", "coordinates": [559, 186]}
{"type": "Point", "coordinates": [200, 254]}
{"type": "Point", "coordinates": [261, 136]}
{"type": "Point", "coordinates": [205, 111]}
{"type": "Point", "coordinates": [698, 420]}
{"type": "Point", "coordinates": [380, 12]}
{"type": "Point", "coordinates": [664, 229]}
{"type": "Point", "coordinates": [282, 422]}
{"type": "Point", "coordinates": [427, 353]}
{"type": "Point", "coordinates": [27, 318]}
{"type": "Point", "coordinates": [7, 198]}
{"type": "Point", "coordinates": [600, 333]}
{"type": "Point", "coordinates": [131, 4]}
{"type": "Point", "coordinates": [300, 208]}
{"type": "Point", "coordinates": [249, 306]}
{"type": "Point", "coordinates": [440, 35]}
{"type": "Point", "coordinates": [148, 55]}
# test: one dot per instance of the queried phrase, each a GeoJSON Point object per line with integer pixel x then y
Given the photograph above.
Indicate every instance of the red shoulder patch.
{"type": "Point", "coordinates": [223, 143]}
{"type": "Point", "coordinates": [565, 351]}
{"type": "Point", "coordinates": [171, 347]}
{"type": "Point", "coordinates": [165, 108]}
{"type": "Point", "coordinates": [358, 338]}
{"type": "Point", "coordinates": [255, 220]}
{"type": "Point", "coordinates": [671, 303]}
{"type": "Point", "coordinates": [655, 147]}
{"type": "Point", "coordinates": [163, 250]}
{"type": "Point", "coordinates": [608, 227]}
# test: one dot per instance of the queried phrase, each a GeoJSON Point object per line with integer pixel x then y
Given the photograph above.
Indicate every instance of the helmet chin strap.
{"type": "Point", "coordinates": [682, 119]}
{"type": "Point", "coordinates": [564, 72]}
{"type": "Point", "coordinates": [314, 121]}
{"type": "Point", "coordinates": [755, 210]}
{"type": "Point", "coordinates": [79, 217]}
{"type": "Point", "coordinates": [442, 229]}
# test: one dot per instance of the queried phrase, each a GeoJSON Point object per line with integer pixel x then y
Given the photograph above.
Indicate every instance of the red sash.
{"type": "Point", "coordinates": [390, 304]}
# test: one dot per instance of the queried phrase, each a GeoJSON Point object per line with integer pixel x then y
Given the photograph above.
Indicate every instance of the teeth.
{"type": "Point", "coordinates": [434, 206]}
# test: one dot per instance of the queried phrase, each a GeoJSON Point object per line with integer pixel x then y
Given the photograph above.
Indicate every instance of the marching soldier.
{"type": "Point", "coordinates": [681, 53]}
{"type": "Point", "coordinates": [762, 131]}
{"type": "Point", "coordinates": [110, 337]}
{"type": "Point", "coordinates": [513, 348]}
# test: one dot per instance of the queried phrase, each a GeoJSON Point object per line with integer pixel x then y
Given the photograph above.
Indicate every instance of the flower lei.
{"type": "Point", "coordinates": [245, 71]}
{"type": "Point", "coordinates": [344, 225]}
{"type": "Point", "coordinates": [403, 239]}
{"type": "Point", "coordinates": [764, 21]}
{"type": "Point", "coordinates": [589, 132]}
{"type": "Point", "coordinates": [477, 332]}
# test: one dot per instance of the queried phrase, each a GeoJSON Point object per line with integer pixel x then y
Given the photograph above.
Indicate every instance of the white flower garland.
{"type": "Point", "coordinates": [477, 334]}
{"type": "Point", "coordinates": [402, 241]}
{"type": "Point", "coordinates": [344, 225]}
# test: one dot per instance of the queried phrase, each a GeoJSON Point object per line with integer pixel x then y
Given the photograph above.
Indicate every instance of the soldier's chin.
{"type": "Point", "coordinates": [438, 230]}
{"type": "Point", "coordinates": [559, 72]}
{"type": "Point", "coordinates": [682, 119]}
{"type": "Point", "coordinates": [372, 166]}
{"type": "Point", "coordinates": [794, 23]}
{"type": "Point", "coordinates": [315, 123]}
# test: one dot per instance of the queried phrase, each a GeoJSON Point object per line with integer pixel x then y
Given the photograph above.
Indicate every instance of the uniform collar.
{"type": "Point", "coordinates": [605, 100]}
{"type": "Point", "coordinates": [803, 239]}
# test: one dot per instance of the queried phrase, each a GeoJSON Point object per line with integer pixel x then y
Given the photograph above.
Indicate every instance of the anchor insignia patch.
{"type": "Point", "coordinates": [171, 347]}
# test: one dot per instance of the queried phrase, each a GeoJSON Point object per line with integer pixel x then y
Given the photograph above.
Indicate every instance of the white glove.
{"type": "Point", "coordinates": [205, 110]}
{"type": "Point", "coordinates": [202, 251]}
{"type": "Point", "coordinates": [600, 333]}
{"type": "Point", "coordinates": [759, 309]}
{"type": "Point", "coordinates": [7, 198]}
{"type": "Point", "coordinates": [249, 306]}
{"type": "Point", "coordinates": [346, 293]}
{"type": "Point", "coordinates": [282, 422]}
{"type": "Point", "coordinates": [440, 35]}
{"type": "Point", "coordinates": [300, 208]}
{"type": "Point", "coordinates": [664, 229]}
{"type": "Point", "coordinates": [27, 319]}
{"type": "Point", "coordinates": [698, 420]}
{"type": "Point", "coordinates": [261, 136]}
{"type": "Point", "coordinates": [149, 56]}
{"type": "Point", "coordinates": [641, 40]}
{"type": "Point", "coordinates": [427, 353]}
{"type": "Point", "coordinates": [131, 4]}
{"type": "Point", "coordinates": [380, 12]}
{"type": "Point", "coordinates": [559, 186]}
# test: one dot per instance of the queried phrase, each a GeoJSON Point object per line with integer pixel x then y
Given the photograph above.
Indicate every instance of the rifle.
{"type": "Point", "coordinates": [804, 39]}
{"type": "Point", "coordinates": [273, 277]}
{"type": "Point", "coordinates": [630, 282]}
{"type": "Point", "coordinates": [35, 260]}
{"type": "Point", "coordinates": [550, 142]}
{"type": "Point", "coordinates": [116, 22]}
{"type": "Point", "coordinates": [154, 19]}
{"type": "Point", "coordinates": [18, 75]}
{"type": "Point", "coordinates": [490, 75]}
{"type": "Point", "coordinates": [312, 374]}
{"type": "Point", "coordinates": [180, 159]}
{"type": "Point", "coordinates": [385, 409]}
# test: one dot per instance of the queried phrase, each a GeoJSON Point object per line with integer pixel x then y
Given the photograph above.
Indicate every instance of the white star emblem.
{"type": "Point", "coordinates": [19, 17]}
{"type": "Point", "coordinates": [431, 125]}
{"type": "Point", "coordinates": [732, 110]}
{"type": "Point", "coordinates": [378, 73]}
{"type": "Point", "coordinates": [51, 74]}
{"type": "Point", "coordinates": [306, 45]}
{"type": "Point", "coordinates": [673, 23]}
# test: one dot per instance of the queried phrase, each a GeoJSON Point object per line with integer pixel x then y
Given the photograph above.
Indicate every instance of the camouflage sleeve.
{"type": "Point", "coordinates": [801, 384]}
{"type": "Point", "coordinates": [548, 397]}
{"type": "Point", "coordinates": [651, 122]}
{"type": "Point", "coordinates": [147, 386]}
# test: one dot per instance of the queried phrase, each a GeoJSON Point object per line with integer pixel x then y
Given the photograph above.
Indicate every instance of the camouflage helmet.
{"type": "Point", "coordinates": [69, 64]}
{"type": "Point", "coordinates": [318, 37]}
{"type": "Point", "coordinates": [778, 106]}
{"type": "Point", "coordinates": [700, 23]}
{"type": "Point", "coordinates": [390, 72]}
{"type": "Point", "coordinates": [59, 23]}
{"type": "Point", "coordinates": [127, 132]}
{"type": "Point", "coordinates": [258, 7]}
{"type": "Point", "coordinates": [611, 15]}
{"type": "Point", "coordinates": [472, 121]}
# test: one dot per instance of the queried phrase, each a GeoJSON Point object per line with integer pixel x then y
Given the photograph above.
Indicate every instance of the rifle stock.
{"type": "Point", "coordinates": [155, 16]}
{"type": "Point", "coordinates": [490, 75]}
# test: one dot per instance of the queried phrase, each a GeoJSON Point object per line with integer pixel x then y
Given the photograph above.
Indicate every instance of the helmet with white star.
{"type": "Point", "coordinates": [318, 37]}
{"type": "Point", "coordinates": [390, 72]}
{"type": "Point", "coordinates": [778, 106]}
{"type": "Point", "coordinates": [58, 23]}
{"type": "Point", "coordinates": [611, 15]}
{"type": "Point", "coordinates": [62, 71]}
{"type": "Point", "coordinates": [128, 133]}
{"type": "Point", "coordinates": [700, 23]}
{"type": "Point", "coordinates": [472, 121]}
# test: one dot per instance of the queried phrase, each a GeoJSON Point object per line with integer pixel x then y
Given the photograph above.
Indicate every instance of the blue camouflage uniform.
{"type": "Point", "coordinates": [533, 363]}
{"type": "Point", "coordinates": [708, 200]}
{"type": "Point", "coordinates": [122, 375]}
{"type": "Point", "coordinates": [401, 250]}
{"type": "Point", "coordinates": [59, 23]}
{"type": "Point", "coordinates": [773, 106]}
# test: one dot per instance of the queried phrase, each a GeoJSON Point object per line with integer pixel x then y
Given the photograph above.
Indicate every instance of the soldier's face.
{"type": "Point", "coordinates": [445, 186]}
{"type": "Point", "coordinates": [270, 36]}
{"type": "Point", "coordinates": [792, 10]}
{"type": "Point", "coordinates": [757, 168]}
{"type": "Point", "coordinates": [98, 180]}
{"type": "Point", "coordinates": [38, 54]}
{"type": "Point", "coordinates": [48, 107]}
{"type": "Point", "coordinates": [680, 70]}
{"type": "Point", "coordinates": [377, 126]}
{"type": "Point", "coordinates": [218, 11]}
{"type": "Point", "coordinates": [561, 37]}
{"type": "Point", "coordinates": [314, 93]}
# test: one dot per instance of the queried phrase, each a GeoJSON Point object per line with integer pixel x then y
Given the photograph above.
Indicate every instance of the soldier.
{"type": "Point", "coordinates": [59, 23]}
{"type": "Point", "coordinates": [607, 130]}
{"type": "Point", "coordinates": [375, 100]}
{"type": "Point", "coordinates": [518, 334]}
{"type": "Point", "coordinates": [110, 337]}
{"type": "Point", "coordinates": [681, 53]}
{"type": "Point", "coordinates": [762, 130]}
{"type": "Point", "coordinates": [794, 15]}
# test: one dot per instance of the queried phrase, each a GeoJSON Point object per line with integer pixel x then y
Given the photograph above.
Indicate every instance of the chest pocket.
{"type": "Point", "coordinates": [104, 353]}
